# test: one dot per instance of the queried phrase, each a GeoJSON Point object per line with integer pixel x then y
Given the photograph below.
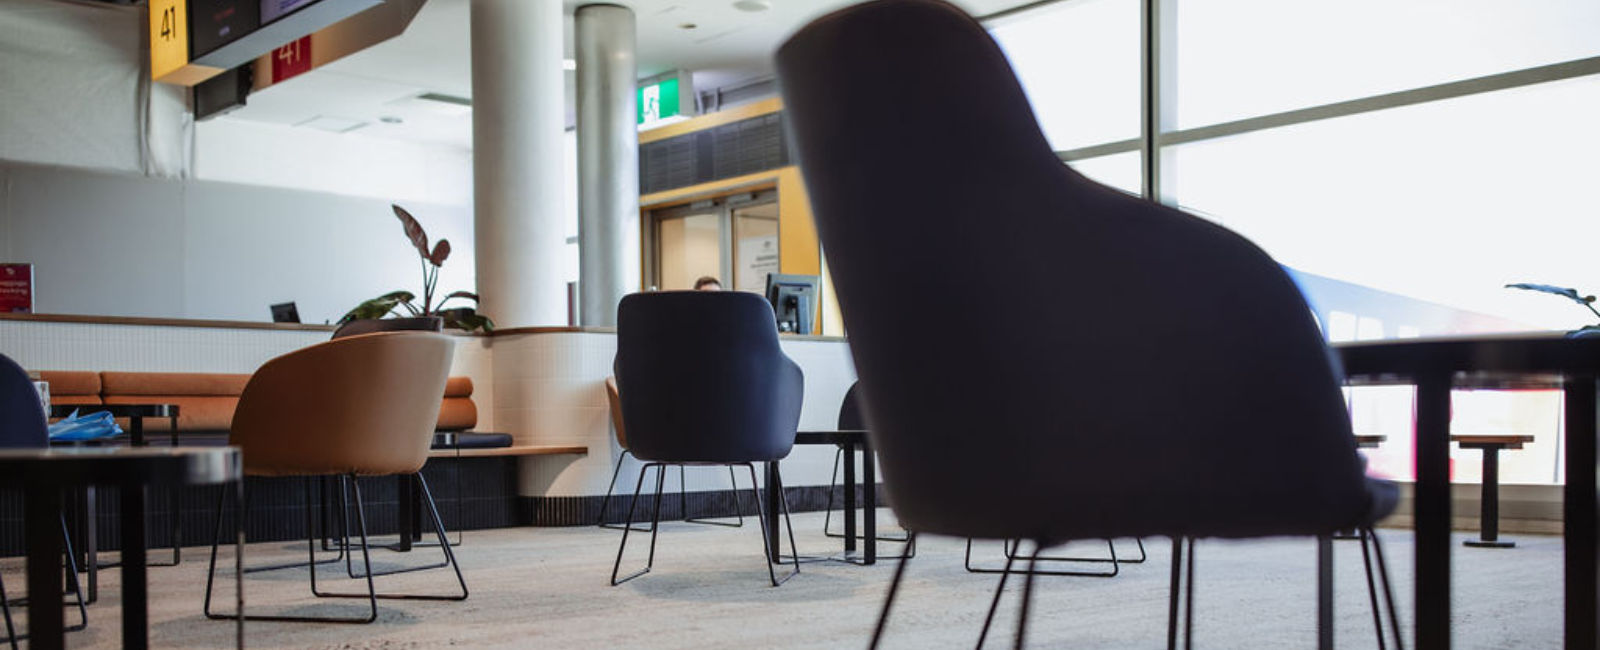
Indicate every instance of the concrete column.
{"type": "Point", "coordinates": [608, 161]}
{"type": "Point", "coordinates": [518, 119]}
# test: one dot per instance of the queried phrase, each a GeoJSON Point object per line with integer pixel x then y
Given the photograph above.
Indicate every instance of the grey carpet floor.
{"type": "Point", "coordinates": [547, 588]}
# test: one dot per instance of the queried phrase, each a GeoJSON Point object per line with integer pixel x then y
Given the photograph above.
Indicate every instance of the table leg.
{"type": "Point", "coordinates": [849, 498]}
{"type": "Point", "coordinates": [46, 624]}
{"type": "Point", "coordinates": [91, 544]}
{"type": "Point", "coordinates": [1580, 501]}
{"type": "Point", "coordinates": [1489, 508]}
{"type": "Point", "coordinates": [135, 592]}
{"type": "Point", "coordinates": [1432, 506]}
{"type": "Point", "coordinates": [869, 505]}
{"type": "Point", "coordinates": [136, 430]}
{"type": "Point", "coordinates": [238, 562]}
{"type": "Point", "coordinates": [774, 504]}
{"type": "Point", "coordinates": [1324, 592]}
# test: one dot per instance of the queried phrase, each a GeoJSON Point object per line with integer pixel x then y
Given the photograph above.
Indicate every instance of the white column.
{"type": "Point", "coordinates": [517, 122]}
{"type": "Point", "coordinates": [608, 160]}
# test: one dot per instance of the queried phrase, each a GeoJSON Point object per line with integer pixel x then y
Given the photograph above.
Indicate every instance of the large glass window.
{"type": "Point", "coordinates": [1445, 202]}
{"type": "Point", "coordinates": [1079, 63]}
{"type": "Point", "coordinates": [1244, 58]}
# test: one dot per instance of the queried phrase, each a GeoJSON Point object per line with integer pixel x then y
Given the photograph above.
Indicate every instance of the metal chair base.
{"type": "Point", "coordinates": [1370, 549]}
{"type": "Point", "coordinates": [372, 596]}
{"type": "Point", "coordinates": [683, 500]}
{"type": "Point", "coordinates": [655, 524]}
{"type": "Point", "coordinates": [1012, 546]}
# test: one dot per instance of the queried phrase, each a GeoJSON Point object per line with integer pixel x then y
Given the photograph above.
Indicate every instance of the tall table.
{"type": "Point", "coordinates": [43, 474]}
{"type": "Point", "coordinates": [850, 442]}
{"type": "Point", "coordinates": [1435, 366]}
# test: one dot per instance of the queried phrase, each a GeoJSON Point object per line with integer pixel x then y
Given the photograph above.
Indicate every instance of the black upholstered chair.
{"type": "Point", "coordinates": [621, 429]}
{"type": "Point", "coordinates": [1131, 370]}
{"type": "Point", "coordinates": [23, 426]}
{"type": "Point", "coordinates": [703, 382]}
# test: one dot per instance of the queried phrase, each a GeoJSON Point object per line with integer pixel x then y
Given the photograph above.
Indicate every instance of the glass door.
{"type": "Point", "coordinates": [733, 239]}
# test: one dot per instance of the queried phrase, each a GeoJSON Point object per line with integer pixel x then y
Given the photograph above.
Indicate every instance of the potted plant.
{"type": "Point", "coordinates": [465, 318]}
{"type": "Point", "coordinates": [1570, 294]}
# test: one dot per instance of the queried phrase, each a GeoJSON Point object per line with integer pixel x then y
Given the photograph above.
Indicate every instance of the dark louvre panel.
{"type": "Point", "coordinates": [743, 147]}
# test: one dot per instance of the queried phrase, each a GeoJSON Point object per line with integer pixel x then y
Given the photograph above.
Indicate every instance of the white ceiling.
{"type": "Point", "coordinates": [726, 46]}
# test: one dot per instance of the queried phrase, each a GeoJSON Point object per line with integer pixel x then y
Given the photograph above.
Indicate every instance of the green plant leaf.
{"type": "Point", "coordinates": [1571, 294]}
{"type": "Point", "coordinates": [379, 307]}
{"type": "Point", "coordinates": [466, 318]}
{"type": "Point", "coordinates": [467, 295]}
{"type": "Point", "coordinates": [414, 231]}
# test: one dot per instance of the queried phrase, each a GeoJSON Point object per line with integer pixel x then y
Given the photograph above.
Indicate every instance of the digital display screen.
{"type": "Point", "coordinates": [274, 9]}
{"type": "Point", "coordinates": [215, 23]}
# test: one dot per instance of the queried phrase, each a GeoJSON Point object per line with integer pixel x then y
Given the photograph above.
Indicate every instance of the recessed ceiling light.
{"type": "Point", "coordinates": [752, 5]}
{"type": "Point", "coordinates": [390, 119]}
{"type": "Point", "coordinates": [687, 26]}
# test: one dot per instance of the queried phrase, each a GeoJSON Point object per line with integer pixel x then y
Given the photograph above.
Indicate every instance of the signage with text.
{"type": "Point", "coordinates": [16, 288]}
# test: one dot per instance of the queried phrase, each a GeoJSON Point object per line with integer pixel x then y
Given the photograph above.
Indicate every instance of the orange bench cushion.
{"type": "Point", "coordinates": [72, 386]}
{"type": "Point", "coordinates": [206, 401]}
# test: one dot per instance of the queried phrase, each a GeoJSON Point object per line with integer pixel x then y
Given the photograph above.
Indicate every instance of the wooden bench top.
{"type": "Point", "coordinates": [1370, 439]}
{"type": "Point", "coordinates": [1479, 441]}
{"type": "Point", "coordinates": [515, 450]}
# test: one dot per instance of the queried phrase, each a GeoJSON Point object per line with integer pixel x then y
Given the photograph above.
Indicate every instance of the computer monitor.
{"type": "Point", "coordinates": [794, 301]}
{"type": "Point", "coordinates": [285, 313]}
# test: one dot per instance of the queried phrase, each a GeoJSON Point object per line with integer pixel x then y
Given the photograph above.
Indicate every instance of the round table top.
{"type": "Point", "coordinates": [119, 466]}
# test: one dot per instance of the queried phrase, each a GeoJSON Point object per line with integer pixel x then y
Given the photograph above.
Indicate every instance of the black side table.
{"type": "Point", "coordinates": [43, 474]}
{"type": "Point", "coordinates": [84, 525]}
{"type": "Point", "coordinates": [1489, 509]}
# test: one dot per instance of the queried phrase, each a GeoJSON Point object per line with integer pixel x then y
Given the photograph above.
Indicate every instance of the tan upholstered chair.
{"type": "Point", "coordinates": [356, 406]}
{"type": "Point", "coordinates": [683, 497]}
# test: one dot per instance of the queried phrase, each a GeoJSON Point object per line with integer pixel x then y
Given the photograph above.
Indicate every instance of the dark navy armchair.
{"type": "Point", "coordinates": [703, 382]}
{"type": "Point", "coordinates": [1103, 366]}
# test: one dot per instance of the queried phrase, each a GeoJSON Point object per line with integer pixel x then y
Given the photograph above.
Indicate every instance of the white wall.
{"type": "Point", "coordinates": [353, 164]}
{"type": "Point", "coordinates": [124, 245]}
{"type": "Point", "coordinates": [75, 90]}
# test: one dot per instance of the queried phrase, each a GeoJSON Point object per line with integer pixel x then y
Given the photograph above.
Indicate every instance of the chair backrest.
{"type": "Point", "coordinates": [1102, 366]}
{"type": "Point", "coordinates": [850, 416]}
{"type": "Point", "coordinates": [615, 400]}
{"type": "Point", "coordinates": [370, 325]}
{"type": "Point", "coordinates": [22, 421]}
{"type": "Point", "coordinates": [702, 378]}
{"type": "Point", "coordinates": [362, 404]}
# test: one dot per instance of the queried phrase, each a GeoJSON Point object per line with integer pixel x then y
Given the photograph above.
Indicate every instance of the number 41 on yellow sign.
{"type": "Point", "coordinates": [169, 45]}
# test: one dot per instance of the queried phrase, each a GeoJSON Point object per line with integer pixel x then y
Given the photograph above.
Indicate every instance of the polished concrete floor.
{"type": "Point", "coordinates": [548, 588]}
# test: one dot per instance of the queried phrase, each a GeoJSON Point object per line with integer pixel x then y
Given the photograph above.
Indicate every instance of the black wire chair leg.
{"type": "Point", "coordinates": [1173, 596]}
{"type": "Point", "coordinates": [1372, 589]}
{"type": "Point", "coordinates": [444, 544]}
{"type": "Point", "coordinates": [1011, 554]}
{"type": "Point", "coordinates": [309, 518]}
{"type": "Point", "coordinates": [5, 606]}
{"type": "Point", "coordinates": [994, 604]}
{"type": "Point", "coordinates": [606, 501]}
{"type": "Point", "coordinates": [833, 482]}
{"type": "Point", "coordinates": [628, 526]}
{"type": "Point", "coordinates": [1188, 602]}
{"type": "Point", "coordinates": [1027, 594]}
{"type": "Point", "coordinates": [72, 579]}
{"type": "Point", "coordinates": [683, 499]}
{"type": "Point", "coordinates": [442, 564]}
{"type": "Point", "coordinates": [1388, 591]}
{"type": "Point", "coordinates": [888, 599]}
{"type": "Point", "coordinates": [766, 541]}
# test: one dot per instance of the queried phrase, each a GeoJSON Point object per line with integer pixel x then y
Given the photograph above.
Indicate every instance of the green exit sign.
{"type": "Point", "coordinates": [658, 101]}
